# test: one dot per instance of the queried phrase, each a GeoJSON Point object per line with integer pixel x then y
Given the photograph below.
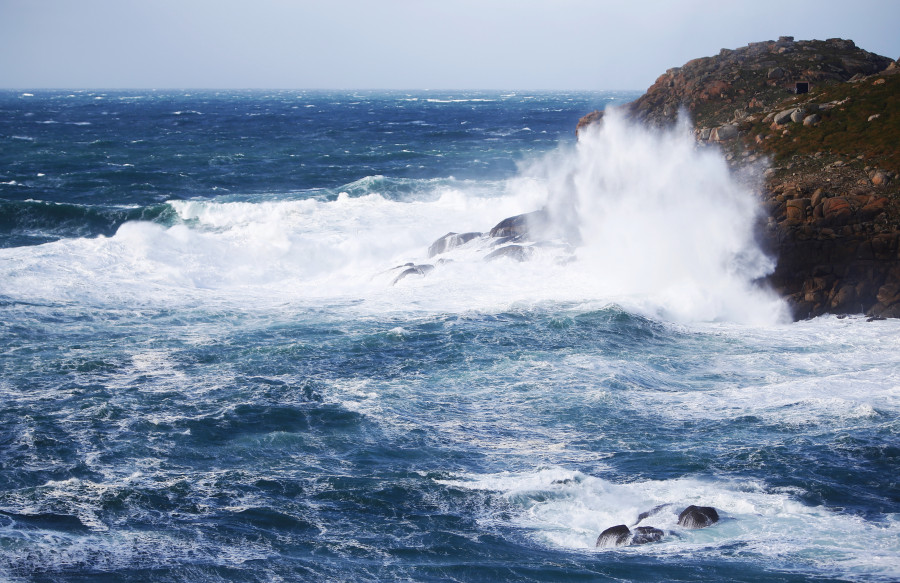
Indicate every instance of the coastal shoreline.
{"type": "Point", "coordinates": [823, 116]}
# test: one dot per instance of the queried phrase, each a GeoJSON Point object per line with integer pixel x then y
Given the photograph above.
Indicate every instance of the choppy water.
{"type": "Point", "coordinates": [207, 374]}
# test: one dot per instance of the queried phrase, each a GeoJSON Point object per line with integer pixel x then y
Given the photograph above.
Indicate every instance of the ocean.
{"type": "Point", "coordinates": [226, 353]}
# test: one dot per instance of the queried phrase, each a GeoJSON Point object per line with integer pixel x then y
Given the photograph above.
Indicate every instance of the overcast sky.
{"type": "Point", "coordinates": [402, 44]}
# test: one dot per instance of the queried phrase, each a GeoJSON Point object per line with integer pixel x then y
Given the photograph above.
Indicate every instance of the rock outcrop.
{"type": "Point", "coordinates": [758, 75]}
{"type": "Point", "coordinates": [825, 117]}
{"type": "Point", "coordinates": [450, 241]}
{"type": "Point", "coordinates": [694, 517]}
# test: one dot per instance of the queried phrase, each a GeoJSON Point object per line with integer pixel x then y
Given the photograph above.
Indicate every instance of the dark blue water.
{"type": "Point", "coordinates": [206, 375]}
{"type": "Point", "coordinates": [91, 154]}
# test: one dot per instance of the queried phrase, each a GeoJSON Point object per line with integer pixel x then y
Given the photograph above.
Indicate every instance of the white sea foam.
{"type": "Point", "coordinates": [664, 229]}
{"type": "Point", "coordinates": [568, 509]}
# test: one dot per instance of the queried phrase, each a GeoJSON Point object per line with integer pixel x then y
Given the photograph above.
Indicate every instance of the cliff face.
{"type": "Point", "coordinates": [832, 191]}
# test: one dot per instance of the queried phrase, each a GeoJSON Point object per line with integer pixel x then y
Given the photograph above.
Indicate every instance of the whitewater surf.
{"type": "Point", "coordinates": [209, 372]}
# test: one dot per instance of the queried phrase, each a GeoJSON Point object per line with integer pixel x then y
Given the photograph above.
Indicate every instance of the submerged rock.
{"type": "Point", "coordinates": [698, 516]}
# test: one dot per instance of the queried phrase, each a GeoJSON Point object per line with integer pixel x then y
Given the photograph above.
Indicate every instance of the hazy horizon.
{"type": "Point", "coordinates": [502, 45]}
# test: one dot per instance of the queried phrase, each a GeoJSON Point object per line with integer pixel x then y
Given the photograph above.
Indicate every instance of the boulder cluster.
{"type": "Point", "coordinates": [751, 78]}
{"type": "Point", "coordinates": [692, 517]}
{"type": "Point", "coordinates": [514, 238]}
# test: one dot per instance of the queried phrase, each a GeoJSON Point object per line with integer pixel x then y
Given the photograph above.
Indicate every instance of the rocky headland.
{"type": "Point", "coordinates": [824, 116]}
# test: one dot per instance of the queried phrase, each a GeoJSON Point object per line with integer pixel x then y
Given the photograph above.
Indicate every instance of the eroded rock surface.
{"type": "Point", "coordinates": [831, 198]}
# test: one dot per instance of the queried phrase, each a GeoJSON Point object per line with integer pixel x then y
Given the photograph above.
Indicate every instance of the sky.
{"type": "Point", "coordinates": [402, 44]}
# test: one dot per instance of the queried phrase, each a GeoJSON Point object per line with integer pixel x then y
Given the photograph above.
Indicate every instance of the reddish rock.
{"type": "Point", "coordinates": [844, 299]}
{"type": "Point", "coordinates": [879, 178]}
{"type": "Point", "coordinates": [795, 210]}
{"type": "Point", "coordinates": [585, 121]}
{"type": "Point", "coordinates": [836, 210]}
{"type": "Point", "coordinates": [889, 294]}
{"type": "Point", "coordinates": [876, 206]}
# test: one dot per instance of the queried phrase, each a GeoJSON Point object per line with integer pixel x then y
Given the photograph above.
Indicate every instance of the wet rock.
{"type": "Point", "coordinates": [646, 534]}
{"type": "Point", "coordinates": [450, 241]}
{"type": "Point", "coordinates": [652, 512]}
{"type": "Point", "coordinates": [524, 226]}
{"type": "Point", "coordinates": [514, 252]}
{"type": "Point", "coordinates": [614, 536]}
{"type": "Point", "coordinates": [889, 294]}
{"type": "Point", "coordinates": [698, 516]}
{"type": "Point", "coordinates": [620, 536]}
{"type": "Point", "coordinates": [844, 299]}
{"type": "Point", "coordinates": [421, 270]}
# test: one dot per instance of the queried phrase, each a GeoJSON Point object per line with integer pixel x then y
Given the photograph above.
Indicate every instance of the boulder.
{"type": "Point", "coordinates": [873, 208]}
{"type": "Point", "coordinates": [836, 210]}
{"type": "Point", "coordinates": [698, 517]}
{"type": "Point", "coordinates": [879, 178]}
{"type": "Point", "coordinates": [811, 120]}
{"type": "Point", "coordinates": [798, 115]}
{"type": "Point", "coordinates": [652, 512]}
{"type": "Point", "coordinates": [620, 536]}
{"type": "Point", "coordinates": [725, 132]}
{"type": "Point", "coordinates": [646, 534]}
{"type": "Point", "coordinates": [782, 117]}
{"type": "Point", "coordinates": [422, 270]}
{"type": "Point", "coordinates": [795, 209]}
{"type": "Point", "coordinates": [450, 241]}
{"type": "Point", "coordinates": [522, 226]}
{"type": "Point", "coordinates": [776, 73]}
{"type": "Point", "coordinates": [614, 536]}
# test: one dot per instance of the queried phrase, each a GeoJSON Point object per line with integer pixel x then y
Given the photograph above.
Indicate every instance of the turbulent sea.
{"type": "Point", "coordinates": [211, 371]}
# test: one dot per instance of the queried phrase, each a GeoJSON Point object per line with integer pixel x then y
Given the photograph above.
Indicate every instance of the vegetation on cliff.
{"type": "Point", "coordinates": [825, 117]}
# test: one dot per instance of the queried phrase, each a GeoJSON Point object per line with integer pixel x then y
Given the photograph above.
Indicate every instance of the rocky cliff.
{"type": "Point", "coordinates": [825, 117]}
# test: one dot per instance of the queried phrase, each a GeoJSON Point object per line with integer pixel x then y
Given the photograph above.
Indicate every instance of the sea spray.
{"type": "Point", "coordinates": [657, 218]}
{"type": "Point", "coordinates": [643, 220]}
